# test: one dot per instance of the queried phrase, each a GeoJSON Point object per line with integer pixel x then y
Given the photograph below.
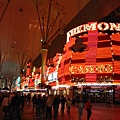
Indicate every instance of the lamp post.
{"type": "Point", "coordinates": [50, 26]}
{"type": "Point", "coordinates": [44, 52]}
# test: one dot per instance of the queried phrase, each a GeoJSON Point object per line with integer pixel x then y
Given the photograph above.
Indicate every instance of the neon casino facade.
{"type": "Point", "coordinates": [96, 69]}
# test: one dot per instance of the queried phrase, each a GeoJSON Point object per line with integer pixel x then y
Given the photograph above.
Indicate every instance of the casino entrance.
{"type": "Point", "coordinates": [98, 94]}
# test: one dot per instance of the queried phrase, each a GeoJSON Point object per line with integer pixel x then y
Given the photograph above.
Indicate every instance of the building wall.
{"type": "Point", "coordinates": [98, 64]}
{"type": "Point", "coordinates": [116, 56]}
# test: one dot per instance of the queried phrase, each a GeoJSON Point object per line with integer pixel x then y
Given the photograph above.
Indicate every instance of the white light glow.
{"type": "Point", "coordinates": [60, 86]}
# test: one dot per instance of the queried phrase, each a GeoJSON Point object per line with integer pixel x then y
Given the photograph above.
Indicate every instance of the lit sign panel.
{"type": "Point", "coordinates": [102, 26]}
{"type": "Point", "coordinates": [18, 82]}
{"type": "Point", "coordinates": [52, 76]}
{"type": "Point", "coordinates": [91, 69]}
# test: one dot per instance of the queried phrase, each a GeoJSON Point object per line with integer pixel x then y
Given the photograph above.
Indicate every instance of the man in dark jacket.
{"type": "Point", "coordinates": [62, 100]}
{"type": "Point", "coordinates": [38, 103]}
{"type": "Point", "coordinates": [56, 103]}
{"type": "Point", "coordinates": [15, 104]}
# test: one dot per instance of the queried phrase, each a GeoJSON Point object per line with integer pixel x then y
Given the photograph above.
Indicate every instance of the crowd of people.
{"type": "Point", "coordinates": [13, 104]}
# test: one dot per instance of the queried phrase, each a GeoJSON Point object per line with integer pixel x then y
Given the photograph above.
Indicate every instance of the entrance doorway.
{"type": "Point", "coordinates": [99, 94]}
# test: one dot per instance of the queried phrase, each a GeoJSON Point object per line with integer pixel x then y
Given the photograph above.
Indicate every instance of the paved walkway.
{"type": "Point", "coordinates": [99, 112]}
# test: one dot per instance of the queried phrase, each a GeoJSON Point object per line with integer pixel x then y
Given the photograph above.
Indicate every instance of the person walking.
{"type": "Point", "coordinates": [49, 105]}
{"type": "Point", "coordinates": [33, 100]}
{"type": "Point", "coordinates": [108, 101]}
{"type": "Point", "coordinates": [88, 108]}
{"type": "Point", "coordinates": [44, 99]}
{"type": "Point", "coordinates": [80, 106]}
{"type": "Point", "coordinates": [6, 105]}
{"type": "Point", "coordinates": [62, 101]}
{"type": "Point", "coordinates": [22, 102]}
{"type": "Point", "coordinates": [15, 104]}
{"type": "Point", "coordinates": [73, 100]}
{"type": "Point", "coordinates": [28, 98]}
{"type": "Point", "coordinates": [68, 103]}
{"type": "Point", "coordinates": [0, 99]}
{"type": "Point", "coordinates": [38, 103]}
{"type": "Point", "coordinates": [56, 105]}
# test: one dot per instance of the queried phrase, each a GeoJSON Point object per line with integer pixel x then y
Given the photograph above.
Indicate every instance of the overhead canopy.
{"type": "Point", "coordinates": [20, 34]}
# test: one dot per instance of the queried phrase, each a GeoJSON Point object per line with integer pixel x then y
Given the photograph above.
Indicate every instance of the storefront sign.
{"type": "Point", "coordinates": [52, 76]}
{"type": "Point", "coordinates": [102, 26]}
{"type": "Point", "coordinates": [91, 69]}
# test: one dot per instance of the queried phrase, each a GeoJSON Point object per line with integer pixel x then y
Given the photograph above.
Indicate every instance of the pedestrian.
{"type": "Point", "coordinates": [80, 106]}
{"type": "Point", "coordinates": [108, 101]}
{"type": "Point", "coordinates": [88, 108]}
{"type": "Point", "coordinates": [38, 103]}
{"type": "Point", "coordinates": [22, 101]}
{"type": "Point", "coordinates": [28, 98]}
{"type": "Point", "coordinates": [49, 105]}
{"type": "Point", "coordinates": [62, 101]}
{"type": "Point", "coordinates": [6, 105]}
{"type": "Point", "coordinates": [44, 99]}
{"type": "Point", "coordinates": [56, 103]}
{"type": "Point", "coordinates": [0, 98]}
{"type": "Point", "coordinates": [73, 100]}
{"type": "Point", "coordinates": [15, 104]}
{"type": "Point", "coordinates": [68, 103]}
{"type": "Point", "coordinates": [33, 100]}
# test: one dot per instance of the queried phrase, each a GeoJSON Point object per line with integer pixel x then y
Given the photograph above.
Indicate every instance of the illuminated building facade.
{"type": "Point", "coordinates": [91, 56]}
{"type": "Point", "coordinates": [90, 61]}
{"type": "Point", "coordinates": [52, 70]}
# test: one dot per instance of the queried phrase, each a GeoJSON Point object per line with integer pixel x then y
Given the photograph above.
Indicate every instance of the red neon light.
{"type": "Point", "coordinates": [91, 69]}
{"type": "Point", "coordinates": [92, 52]}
